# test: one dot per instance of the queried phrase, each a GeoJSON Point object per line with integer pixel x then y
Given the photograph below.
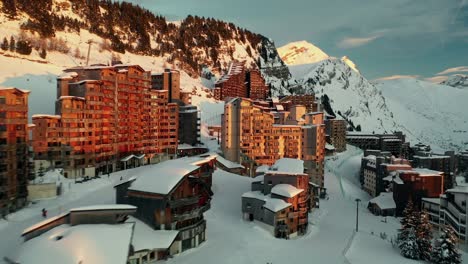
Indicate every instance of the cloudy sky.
{"type": "Point", "coordinates": [383, 37]}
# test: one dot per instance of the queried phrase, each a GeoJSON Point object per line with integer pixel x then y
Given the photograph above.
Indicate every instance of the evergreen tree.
{"type": "Point", "coordinates": [409, 247]}
{"type": "Point", "coordinates": [41, 172]}
{"type": "Point", "coordinates": [406, 239]}
{"type": "Point", "coordinates": [5, 45]}
{"type": "Point", "coordinates": [445, 248]}
{"type": "Point", "coordinates": [23, 47]}
{"type": "Point", "coordinates": [43, 53]}
{"type": "Point", "coordinates": [424, 235]}
{"type": "Point", "coordinates": [12, 44]}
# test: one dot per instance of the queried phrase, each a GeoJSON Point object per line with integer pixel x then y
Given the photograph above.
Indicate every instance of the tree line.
{"type": "Point", "coordinates": [129, 27]}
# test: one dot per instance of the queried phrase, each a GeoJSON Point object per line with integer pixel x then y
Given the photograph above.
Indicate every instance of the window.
{"type": "Point", "coordinates": [2, 100]}
{"type": "Point", "coordinates": [3, 128]}
{"type": "Point", "coordinates": [2, 114]}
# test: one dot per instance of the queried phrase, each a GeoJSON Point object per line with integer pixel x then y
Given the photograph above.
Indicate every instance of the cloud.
{"type": "Point", "coordinates": [436, 79]}
{"type": "Point", "coordinates": [348, 42]}
{"type": "Point", "coordinates": [453, 70]}
{"type": "Point", "coordinates": [395, 77]}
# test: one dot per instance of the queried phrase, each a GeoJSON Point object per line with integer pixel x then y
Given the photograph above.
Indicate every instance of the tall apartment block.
{"type": "Point", "coordinates": [189, 125]}
{"type": "Point", "coordinates": [444, 163]}
{"type": "Point", "coordinates": [14, 149]}
{"type": "Point", "coordinates": [169, 80]}
{"type": "Point", "coordinates": [107, 117]}
{"type": "Point", "coordinates": [239, 82]}
{"type": "Point", "coordinates": [189, 116]}
{"type": "Point", "coordinates": [336, 133]}
{"type": "Point", "coordinates": [251, 137]}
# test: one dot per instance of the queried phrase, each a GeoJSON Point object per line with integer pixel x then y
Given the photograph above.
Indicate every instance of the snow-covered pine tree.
{"type": "Point", "coordinates": [409, 246]}
{"type": "Point", "coordinates": [406, 239]}
{"type": "Point", "coordinates": [424, 235]}
{"type": "Point", "coordinates": [445, 249]}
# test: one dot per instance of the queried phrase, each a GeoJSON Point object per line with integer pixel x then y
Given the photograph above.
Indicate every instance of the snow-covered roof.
{"type": "Point", "coordinates": [46, 116]}
{"type": "Point", "coordinates": [104, 207]}
{"type": "Point", "coordinates": [279, 108]}
{"type": "Point", "coordinates": [71, 97]}
{"type": "Point", "coordinates": [44, 222]}
{"type": "Point", "coordinates": [459, 189]}
{"type": "Point", "coordinates": [228, 164]}
{"type": "Point", "coordinates": [286, 190]}
{"type": "Point", "coordinates": [254, 195]}
{"type": "Point", "coordinates": [370, 157]}
{"type": "Point", "coordinates": [384, 201]}
{"type": "Point", "coordinates": [67, 75]}
{"type": "Point", "coordinates": [146, 238]}
{"type": "Point", "coordinates": [427, 172]}
{"type": "Point", "coordinates": [14, 88]}
{"type": "Point", "coordinates": [275, 205]}
{"type": "Point", "coordinates": [288, 165]}
{"type": "Point", "coordinates": [258, 179]}
{"type": "Point", "coordinates": [163, 177]}
{"type": "Point", "coordinates": [329, 146]}
{"type": "Point", "coordinates": [432, 200]}
{"type": "Point", "coordinates": [127, 158]}
{"type": "Point", "coordinates": [262, 169]}
{"type": "Point", "coordinates": [65, 244]}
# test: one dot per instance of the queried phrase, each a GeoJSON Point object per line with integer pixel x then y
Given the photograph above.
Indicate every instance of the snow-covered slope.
{"type": "Point", "coordinates": [351, 95]}
{"type": "Point", "coordinates": [301, 52]}
{"type": "Point", "coordinates": [428, 112]}
{"type": "Point", "coordinates": [457, 81]}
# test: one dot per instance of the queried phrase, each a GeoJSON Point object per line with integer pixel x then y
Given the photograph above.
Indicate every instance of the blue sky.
{"type": "Point", "coordinates": [383, 37]}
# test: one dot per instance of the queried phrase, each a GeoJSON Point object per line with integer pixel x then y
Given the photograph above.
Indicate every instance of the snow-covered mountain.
{"type": "Point", "coordinates": [457, 81]}
{"type": "Point", "coordinates": [301, 52]}
{"type": "Point", "coordinates": [351, 95]}
{"type": "Point", "coordinates": [428, 112]}
{"type": "Point", "coordinates": [424, 111]}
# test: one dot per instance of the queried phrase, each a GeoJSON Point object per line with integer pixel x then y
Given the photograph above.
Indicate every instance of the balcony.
{"type": "Point", "coordinates": [191, 214]}
{"type": "Point", "coordinates": [184, 201]}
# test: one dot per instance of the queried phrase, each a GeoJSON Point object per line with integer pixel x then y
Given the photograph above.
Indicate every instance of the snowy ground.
{"type": "Point", "coordinates": [230, 239]}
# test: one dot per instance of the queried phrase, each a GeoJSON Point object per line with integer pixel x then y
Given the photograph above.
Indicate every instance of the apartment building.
{"type": "Point", "coordinates": [376, 166]}
{"type": "Point", "coordinates": [189, 125]}
{"type": "Point", "coordinates": [335, 130]}
{"type": "Point", "coordinates": [450, 209]}
{"type": "Point", "coordinates": [280, 199]}
{"type": "Point", "coordinates": [169, 81]}
{"type": "Point", "coordinates": [415, 185]}
{"type": "Point", "coordinates": [172, 195]}
{"type": "Point", "coordinates": [394, 143]}
{"type": "Point", "coordinates": [15, 163]}
{"type": "Point", "coordinates": [307, 100]}
{"type": "Point", "coordinates": [107, 118]}
{"type": "Point", "coordinates": [444, 163]}
{"type": "Point", "coordinates": [239, 82]}
{"type": "Point", "coordinates": [252, 137]}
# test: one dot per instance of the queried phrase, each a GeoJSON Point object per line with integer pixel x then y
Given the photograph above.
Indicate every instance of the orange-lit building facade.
{"type": "Point", "coordinates": [251, 137]}
{"type": "Point", "coordinates": [15, 165]}
{"type": "Point", "coordinates": [108, 118]}
{"type": "Point", "coordinates": [237, 82]}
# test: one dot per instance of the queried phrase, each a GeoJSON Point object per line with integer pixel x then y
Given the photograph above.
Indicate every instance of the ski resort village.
{"type": "Point", "coordinates": [126, 138]}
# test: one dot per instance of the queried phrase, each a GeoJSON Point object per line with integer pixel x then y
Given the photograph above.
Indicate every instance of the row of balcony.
{"type": "Point", "coordinates": [191, 214]}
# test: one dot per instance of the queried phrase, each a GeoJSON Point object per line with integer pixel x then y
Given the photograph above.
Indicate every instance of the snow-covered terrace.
{"type": "Point", "coordinates": [286, 190]}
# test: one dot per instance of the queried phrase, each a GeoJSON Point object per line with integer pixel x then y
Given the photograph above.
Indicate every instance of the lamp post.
{"type": "Point", "coordinates": [357, 213]}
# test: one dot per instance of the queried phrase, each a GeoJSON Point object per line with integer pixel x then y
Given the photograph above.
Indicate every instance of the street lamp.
{"type": "Point", "coordinates": [357, 213]}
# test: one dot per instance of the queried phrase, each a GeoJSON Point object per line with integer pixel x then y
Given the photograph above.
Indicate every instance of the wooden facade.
{"type": "Point", "coordinates": [105, 114]}
{"type": "Point", "coordinates": [15, 166]}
